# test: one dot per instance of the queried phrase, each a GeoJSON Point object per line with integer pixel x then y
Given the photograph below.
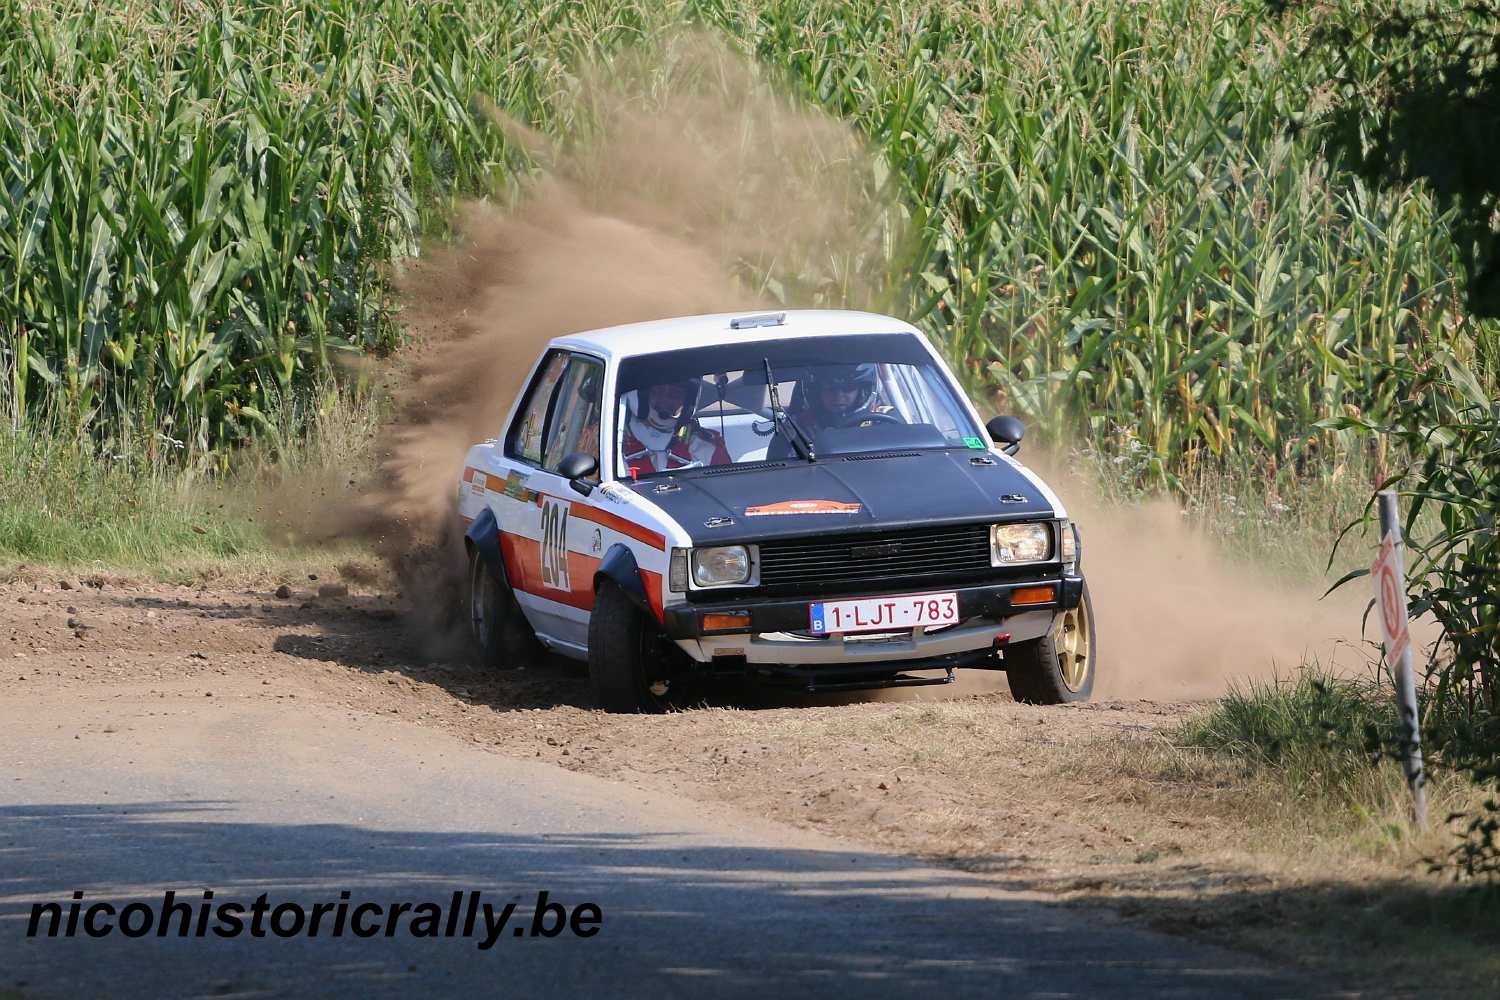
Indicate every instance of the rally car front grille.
{"type": "Point", "coordinates": [905, 558]}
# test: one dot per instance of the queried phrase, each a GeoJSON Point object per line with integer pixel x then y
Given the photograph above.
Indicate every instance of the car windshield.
{"type": "Point", "coordinates": [710, 406]}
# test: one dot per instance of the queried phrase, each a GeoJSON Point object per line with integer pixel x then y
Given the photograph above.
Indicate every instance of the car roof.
{"type": "Point", "coordinates": [618, 342]}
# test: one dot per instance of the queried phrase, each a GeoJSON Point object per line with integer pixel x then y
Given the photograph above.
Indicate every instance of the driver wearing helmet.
{"type": "Point", "coordinates": [660, 433]}
{"type": "Point", "coordinates": [838, 396]}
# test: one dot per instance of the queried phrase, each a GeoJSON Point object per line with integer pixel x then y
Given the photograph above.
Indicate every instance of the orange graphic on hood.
{"type": "Point", "coordinates": [803, 507]}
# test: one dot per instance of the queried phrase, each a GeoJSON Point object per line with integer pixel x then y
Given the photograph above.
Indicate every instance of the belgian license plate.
{"type": "Point", "coordinates": [878, 614]}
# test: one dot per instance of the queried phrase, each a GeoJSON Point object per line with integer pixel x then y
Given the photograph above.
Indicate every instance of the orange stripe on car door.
{"type": "Point", "coordinates": [578, 509]}
{"type": "Point", "coordinates": [615, 522]}
{"type": "Point", "coordinates": [523, 558]}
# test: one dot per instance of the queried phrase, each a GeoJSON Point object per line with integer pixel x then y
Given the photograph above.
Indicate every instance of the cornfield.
{"type": "Point", "coordinates": [1115, 227]}
{"type": "Point", "coordinates": [199, 202]}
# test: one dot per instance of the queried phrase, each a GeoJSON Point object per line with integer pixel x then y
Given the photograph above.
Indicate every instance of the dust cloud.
{"type": "Point", "coordinates": [686, 185]}
{"type": "Point", "coordinates": [1178, 619]}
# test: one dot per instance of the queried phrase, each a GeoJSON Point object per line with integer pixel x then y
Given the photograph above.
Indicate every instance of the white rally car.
{"type": "Point", "coordinates": [807, 498]}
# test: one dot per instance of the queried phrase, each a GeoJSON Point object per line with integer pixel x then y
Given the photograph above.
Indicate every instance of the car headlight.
{"type": "Point", "coordinates": [1019, 543]}
{"type": "Point", "coordinates": [721, 566]}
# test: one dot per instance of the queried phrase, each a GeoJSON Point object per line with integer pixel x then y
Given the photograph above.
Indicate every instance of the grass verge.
{"type": "Point", "coordinates": [69, 506]}
{"type": "Point", "coordinates": [1272, 821]}
{"type": "Point", "coordinates": [63, 504]}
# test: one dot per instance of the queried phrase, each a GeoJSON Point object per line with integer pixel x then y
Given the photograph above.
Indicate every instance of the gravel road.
{"type": "Point", "coordinates": [185, 751]}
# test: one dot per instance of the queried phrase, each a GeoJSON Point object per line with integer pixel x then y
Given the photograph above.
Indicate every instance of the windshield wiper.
{"type": "Point", "coordinates": [785, 424]}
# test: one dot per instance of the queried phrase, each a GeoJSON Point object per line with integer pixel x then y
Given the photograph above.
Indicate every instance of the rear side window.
{"type": "Point", "coordinates": [525, 440]}
{"type": "Point", "coordinates": [575, 415]}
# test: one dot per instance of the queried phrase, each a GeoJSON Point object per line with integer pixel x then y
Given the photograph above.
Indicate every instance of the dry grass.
{"type": "Point", "coordinates": [1245, 855]}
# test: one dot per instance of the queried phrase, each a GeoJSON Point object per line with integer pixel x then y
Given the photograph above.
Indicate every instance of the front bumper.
{"type": "Point", "coordinates": [985, 613]}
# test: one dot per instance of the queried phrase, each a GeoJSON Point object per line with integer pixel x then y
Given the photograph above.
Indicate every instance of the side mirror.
{"type": "Point", "coordinates": [1007, 430]}
{"type": "Point", "coordinates": [577, 467]}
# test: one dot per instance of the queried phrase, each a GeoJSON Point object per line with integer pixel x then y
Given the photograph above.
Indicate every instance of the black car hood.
{"type": "Point", "coordinates": [843, 493]}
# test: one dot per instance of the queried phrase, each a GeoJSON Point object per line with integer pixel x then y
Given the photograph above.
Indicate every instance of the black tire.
{"type": "Point", "coordinates": [502, 634]}
{"type": "Point", "coordinates": [1045, 671]}
{"type": "Point", "coordinates": [625, 656]}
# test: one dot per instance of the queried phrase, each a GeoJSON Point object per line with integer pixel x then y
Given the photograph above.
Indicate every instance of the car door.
{"type": "Point", "coordinates": [511, 493]}
{"type": "Point", "coordinates": [553, 552]}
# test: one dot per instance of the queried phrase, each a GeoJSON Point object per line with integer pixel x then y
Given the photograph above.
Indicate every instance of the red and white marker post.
{"type": "Point", "coordinates": [1389, 577]}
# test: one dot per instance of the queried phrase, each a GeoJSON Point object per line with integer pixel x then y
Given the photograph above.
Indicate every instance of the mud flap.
{"type": "Point", "coordinates": [1072, 592]}
{"type": "Point", "coordinates": [620, 566]}
{"type": "Point", "coordinates": [484, 537]}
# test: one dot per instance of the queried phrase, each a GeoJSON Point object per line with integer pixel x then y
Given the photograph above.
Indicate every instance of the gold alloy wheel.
{"type": "Point", "coordinates": [1071, 641]}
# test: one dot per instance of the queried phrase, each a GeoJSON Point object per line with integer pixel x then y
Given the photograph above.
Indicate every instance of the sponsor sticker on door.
{"type": "Point", "coordinates": [515, 487]}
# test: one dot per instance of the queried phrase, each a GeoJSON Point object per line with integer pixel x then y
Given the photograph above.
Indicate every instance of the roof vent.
{"type": "Point", "coordinates": [751, 322]}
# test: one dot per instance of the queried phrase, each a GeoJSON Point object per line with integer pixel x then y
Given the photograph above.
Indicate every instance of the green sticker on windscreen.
{"type": "Point", "coordinates": [973, 442]}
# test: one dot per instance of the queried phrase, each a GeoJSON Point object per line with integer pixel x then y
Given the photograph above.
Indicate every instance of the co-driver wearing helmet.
{"type": "Point", "coordinates": [660, 434]}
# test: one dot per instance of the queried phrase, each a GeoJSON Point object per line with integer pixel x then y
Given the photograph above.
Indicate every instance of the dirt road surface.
{"type": "Point", "coordinates": [163, 738]}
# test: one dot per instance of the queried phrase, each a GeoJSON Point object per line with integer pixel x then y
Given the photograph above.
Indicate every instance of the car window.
{"type": "Point", "coordinates": [920, 396]}
{"type": "Point", "coordinates": [711, 405]}
{"type": "Point", "coordinates": [575, 415]}
{"type": "Point", "coordinates": [525, 440]}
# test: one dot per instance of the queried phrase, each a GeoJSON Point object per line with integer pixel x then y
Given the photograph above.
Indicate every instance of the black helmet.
{"type": "Point", "coordinates": [861, 377]}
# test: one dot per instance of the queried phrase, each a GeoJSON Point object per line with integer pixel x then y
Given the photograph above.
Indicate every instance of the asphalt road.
{"type": "Point", "coordinates": [132, 794]}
